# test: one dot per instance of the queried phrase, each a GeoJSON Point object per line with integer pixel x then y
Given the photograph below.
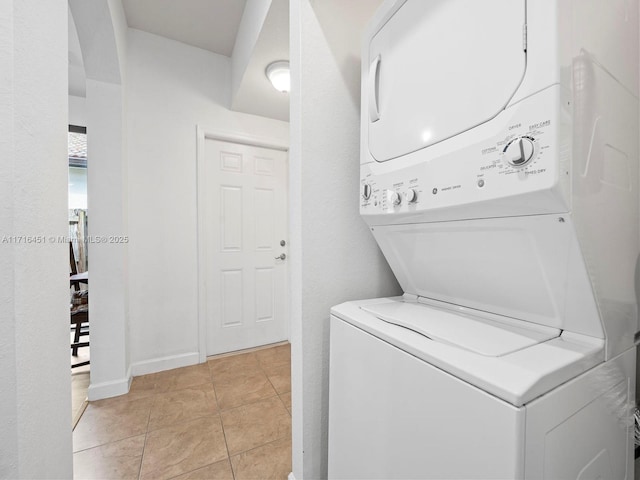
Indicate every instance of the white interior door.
{"type": "Point", "coordinates": [245, 212]}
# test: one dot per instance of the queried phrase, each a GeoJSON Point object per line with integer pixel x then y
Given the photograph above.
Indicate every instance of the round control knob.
{"type": "Point", "coordinates": [519, 152]}
{"type": "Point", "coordinates": [395, 198]}
{"type": "Point", "coordinates": [411, 195]}
{"type": "Point", "coordinates": [366, 191]}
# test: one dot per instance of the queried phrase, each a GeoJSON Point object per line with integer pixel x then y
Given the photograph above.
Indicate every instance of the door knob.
{"type": "Point", "coordinates": [281, 257]}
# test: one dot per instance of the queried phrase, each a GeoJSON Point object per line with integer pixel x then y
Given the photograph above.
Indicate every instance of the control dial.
{"type": "Point", "coordinates": [520, 151]}
{"type": "Point", "coordinates": [366, 191]}
{"type": "Point", "coordinates": [395, 198]}
{"type": "Point", "coordinates": [411, 195]}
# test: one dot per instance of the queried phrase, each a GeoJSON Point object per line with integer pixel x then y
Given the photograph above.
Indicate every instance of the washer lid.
{"type": "Point", "coordinates": [483, 336]}
{"type": "Point", "coordinates": [517, 378]}
{"type": "Point", "coordinates": [438, 68]}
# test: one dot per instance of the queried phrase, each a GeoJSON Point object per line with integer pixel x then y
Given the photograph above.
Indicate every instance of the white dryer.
{"type": "Point", "coordinates": [499, 176]}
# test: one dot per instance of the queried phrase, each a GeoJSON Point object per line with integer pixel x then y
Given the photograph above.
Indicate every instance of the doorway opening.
{"type": "Point", "coordinates": [78, 270]}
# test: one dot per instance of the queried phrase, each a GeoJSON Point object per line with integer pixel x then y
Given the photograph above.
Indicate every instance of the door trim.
{"type": "Point", "coordinates": [203, 133]}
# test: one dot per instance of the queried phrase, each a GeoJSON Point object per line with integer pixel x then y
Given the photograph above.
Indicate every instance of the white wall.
{"type": "Point", "coordinates": [334, 257]}
{"type": "Point", "coordinates": [106, 205]}
{"type": "Point", "coordinates": [102, 34]}
{"type": "Point", "coordinates": [35, 401]}
{"type": "Point", "coordinates": [637, 278]}
{"type": "Point", "coordinates": [253, 17]}
{"type": "Point", "coordinates": [171, 88]}
{"type": "Point", "coordinates": [77, 111]}
{"type": "Point", "coordinates": [120, 30]}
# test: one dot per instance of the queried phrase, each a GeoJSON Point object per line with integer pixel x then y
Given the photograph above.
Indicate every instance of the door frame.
{"type": "Point", "coordinates": [204, 133]}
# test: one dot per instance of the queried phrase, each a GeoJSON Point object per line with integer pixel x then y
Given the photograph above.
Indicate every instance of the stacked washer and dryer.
{"type": "Point", "coordinates": [499, 176]}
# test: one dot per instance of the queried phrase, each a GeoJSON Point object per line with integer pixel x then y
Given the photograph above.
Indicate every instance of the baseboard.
{"type": "Point", "coordinates": [109, 389]}
{"type": "Point", "coordinates": [165, 363]}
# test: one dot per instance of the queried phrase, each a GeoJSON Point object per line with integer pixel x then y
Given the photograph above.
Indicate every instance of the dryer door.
{"type": "Point", "coordinates": [438, 68]}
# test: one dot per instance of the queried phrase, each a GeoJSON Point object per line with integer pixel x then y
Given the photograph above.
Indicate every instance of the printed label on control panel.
{"type": "Point", "coordinates": [489, 167]}
{"type": "Point", "coordinates": [537, 129]}
{"type": "Point", "coordinates": [485, 151]}
{"type": "Point", "coordinates": [538, 125]}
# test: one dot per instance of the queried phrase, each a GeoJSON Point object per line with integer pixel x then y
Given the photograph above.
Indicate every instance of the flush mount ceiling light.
{"type": "Point", "coordinates": [278, 75]}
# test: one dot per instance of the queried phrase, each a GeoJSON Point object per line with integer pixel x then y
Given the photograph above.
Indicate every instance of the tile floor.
{"type": "Point", "coordinates": [79, 382]}
{"type": "Point", "coordinates": [229, 418]}
{"type": "Point", "coordinates": [79, 388]}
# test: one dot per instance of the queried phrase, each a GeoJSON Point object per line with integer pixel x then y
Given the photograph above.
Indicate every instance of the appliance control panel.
{"type": "Point", "coordinates": [384, 199]}
{"type": "Point", "coordinates": [525, 155]}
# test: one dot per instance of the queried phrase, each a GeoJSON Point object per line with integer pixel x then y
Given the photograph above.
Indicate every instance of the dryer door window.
{"type": "Point", "coordinates": [438, 68]}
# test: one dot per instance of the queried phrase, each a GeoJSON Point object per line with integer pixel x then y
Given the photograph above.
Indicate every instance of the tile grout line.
{"type": "Point", "coordinates": [251, 402]}
{"type": "Point", "coordinates": [280, 396]}
{"type": "Point", "coordinates": [79, 414]}
{"type": "Point", "coordinates": [146, 433]}
{"type": "Point", "coordinates": [144, 446]}
{"type": "Point", "coordinates": [272, 385]}
{"type": "Point", "coordinates": [224, 434]}
{"type": "Point", "coordinates": [194, 470]}
{"type": "Point", "coordinates": [262, 445]}
{"type": "Point", "coordinates": [109, 443]}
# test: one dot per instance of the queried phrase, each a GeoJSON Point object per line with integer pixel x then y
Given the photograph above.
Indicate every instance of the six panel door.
{"type": "Point", "coordinates": [246, 221]}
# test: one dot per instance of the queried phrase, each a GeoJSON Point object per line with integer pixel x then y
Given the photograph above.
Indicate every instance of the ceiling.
{"type": "Point", "coordinates": [208, 24]}
{"type": "Point", "coordinates": [255, 93]}
{"type": "Point", "coordinates": [211, 25]}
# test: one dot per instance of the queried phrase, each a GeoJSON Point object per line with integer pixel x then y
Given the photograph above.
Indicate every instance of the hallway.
{"type": "Point", "coordinates": [229, 418]}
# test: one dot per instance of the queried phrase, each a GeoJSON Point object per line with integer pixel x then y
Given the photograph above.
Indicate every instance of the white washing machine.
{"type": "Point", "coordinates": [499, 176]}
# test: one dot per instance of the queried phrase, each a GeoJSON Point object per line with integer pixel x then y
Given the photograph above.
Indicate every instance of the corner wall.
{"type": "Point", "coordinates": [334, 257]}
{"type": "Point", "coordinates": [101, 28]}
{"type": "Point", "coordinates": [35, 390]}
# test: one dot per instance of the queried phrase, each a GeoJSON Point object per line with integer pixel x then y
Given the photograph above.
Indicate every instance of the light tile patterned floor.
{"type": "Point", "coordinates": [79, 381]}
{"type": "Point", "coordinates": [79, 387]}
{"type": "Point", "coordinates": [227, 419]}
